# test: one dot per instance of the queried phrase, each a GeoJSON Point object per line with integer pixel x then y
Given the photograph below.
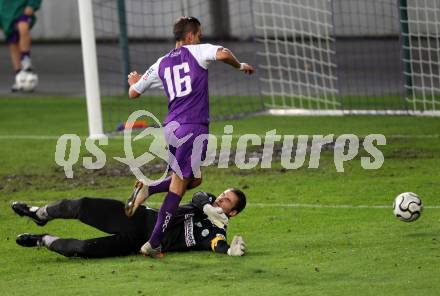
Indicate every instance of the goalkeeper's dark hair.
{"type": "Point", "coordinates": [184, 25]}
{"type": "Point", "coordinates": [241, 203]}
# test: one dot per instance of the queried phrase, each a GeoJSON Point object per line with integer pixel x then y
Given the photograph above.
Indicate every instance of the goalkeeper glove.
{"type": "Point", "coordinates": [215, 215]}
{"type": "Point", "coordinates": [237, 247]}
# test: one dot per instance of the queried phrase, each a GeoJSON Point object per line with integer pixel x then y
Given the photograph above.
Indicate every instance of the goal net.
{"type": "Point", "coordinates": [420, 21]}
{"type": "Point", "coordinates": [350, 56]}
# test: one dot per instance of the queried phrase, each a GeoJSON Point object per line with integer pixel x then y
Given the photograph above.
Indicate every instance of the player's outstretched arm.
{"type": "Point", "coordinates": [237, 247]}
{"type": "Point", "coordinates": [139, 84]}
{"type": "Point", "coordinates": [226, 56]}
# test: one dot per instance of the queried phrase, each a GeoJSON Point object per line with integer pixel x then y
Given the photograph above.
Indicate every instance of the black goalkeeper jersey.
{"type": "Point", "coordinates": [191, 229]}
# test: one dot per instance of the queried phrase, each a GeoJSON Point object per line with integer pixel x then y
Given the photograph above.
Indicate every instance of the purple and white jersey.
{"type": "Point", "coordinates": [183, 73]}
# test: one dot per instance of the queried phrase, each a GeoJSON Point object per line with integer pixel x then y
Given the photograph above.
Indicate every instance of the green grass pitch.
{"type": "Point", "coordinates": [304, 233]}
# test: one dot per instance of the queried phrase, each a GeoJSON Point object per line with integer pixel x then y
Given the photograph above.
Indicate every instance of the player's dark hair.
{"type": "Point", "coordinates": [241, 202]}
{"type": "Point", "coordinates": [184, 25]}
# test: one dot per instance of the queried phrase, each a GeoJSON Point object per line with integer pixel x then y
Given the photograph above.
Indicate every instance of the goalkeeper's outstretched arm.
{"type": "Point", "coordinates": [237, 247]}
{"type": "Point", "coordinates": [226, 56]}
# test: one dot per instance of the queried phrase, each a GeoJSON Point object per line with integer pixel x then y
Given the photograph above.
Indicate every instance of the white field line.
{"type": "Point", "coordinates": [234, 136]}
{"type": "Point", "coordinates": [274, 205]}
{"type": "Point", "coordinates": [27, 137]}
{"type": "Point", "coordinates": [298, 205]}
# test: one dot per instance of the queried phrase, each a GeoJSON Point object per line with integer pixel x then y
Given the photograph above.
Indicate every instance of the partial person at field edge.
{"type": "Point", "coordinates": [17, 17]}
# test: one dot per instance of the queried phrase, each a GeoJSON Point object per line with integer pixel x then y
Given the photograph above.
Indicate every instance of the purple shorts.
{"type": "Point", "coordinates": [187, 145]}
{"type": "Point", "coordinates": [14, 36]}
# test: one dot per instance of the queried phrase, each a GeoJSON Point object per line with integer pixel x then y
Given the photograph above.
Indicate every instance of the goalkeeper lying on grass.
{"type": "Point", "coordinates": [199, 225]}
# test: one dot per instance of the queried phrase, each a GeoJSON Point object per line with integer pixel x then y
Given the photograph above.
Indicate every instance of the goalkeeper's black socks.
{"type": "Point", "coordinates": [42, 214]}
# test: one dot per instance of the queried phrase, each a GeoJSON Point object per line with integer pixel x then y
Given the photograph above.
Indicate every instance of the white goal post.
{"type": "Point", "coordinates": [90, 64]}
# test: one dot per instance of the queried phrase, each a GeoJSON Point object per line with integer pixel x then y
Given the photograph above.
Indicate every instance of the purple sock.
{"type": "Point", "coordinates": [162, 186]}
{"type": "Point", "coordinates": [166, 213]}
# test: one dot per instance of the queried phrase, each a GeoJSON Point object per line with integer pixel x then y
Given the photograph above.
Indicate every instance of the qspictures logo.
{"type": "Point", "coordinates": [290, 150]}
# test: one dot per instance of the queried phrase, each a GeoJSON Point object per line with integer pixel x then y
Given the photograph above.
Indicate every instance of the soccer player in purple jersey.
{"type": "Point", "coordinates": [183, 74]}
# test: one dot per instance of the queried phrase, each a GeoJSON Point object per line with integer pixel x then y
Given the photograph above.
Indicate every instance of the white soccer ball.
{"type": "Point", "coordinates": [26, 81]}
{"type": "Point", "coordinates": [407, 206]}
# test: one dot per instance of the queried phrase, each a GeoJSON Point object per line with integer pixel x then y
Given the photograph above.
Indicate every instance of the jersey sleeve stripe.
{"type": "Point", "coordinates": [214, 242]}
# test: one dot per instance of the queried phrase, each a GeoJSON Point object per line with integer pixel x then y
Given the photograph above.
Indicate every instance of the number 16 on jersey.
{"type": "Point", "coordinates": [181, 76]}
